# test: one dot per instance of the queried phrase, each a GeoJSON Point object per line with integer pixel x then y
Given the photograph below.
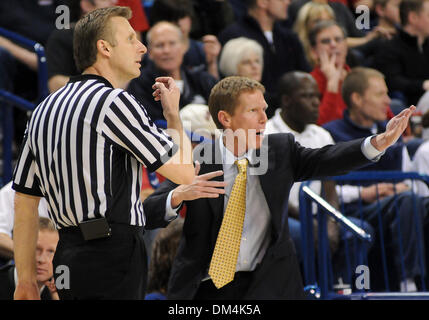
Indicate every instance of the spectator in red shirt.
{"type": "Point", "coordinates": [329, 48]}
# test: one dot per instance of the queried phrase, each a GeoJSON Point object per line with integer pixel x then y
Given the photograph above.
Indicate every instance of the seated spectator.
{"type": "Point", "coordinates": [59, 50]}
{"type": "Point", "coordinates": [166, 49]}
{"type": "Point", "coordinates": [313, 12]}
{"type": "Point", "coordinates": [199, 54]}
{"type": "Point", "coordinates": [45, 250]}
{"type": "Point", "coordinates": [327, 40]}
{"type": "Point", "coordinates": [366, 96]}
{"type": "Point", "coordinates": [387, 18]}
{"type": "Point", "coordinates": [388, 14]}
{"type": "Point", "coordinates": [7, 214]}
{"type": "Point", "coordinates": [343, 16]}
{"type": "Point", "coordinates": [308, 16]}
{"type": "Point", "coordinates": [211, 17]}
{"type": "Point", "coordinates": [242, 57]}
{"type": "Point", "coordinates": [283, 51]}
{"type": "Point", "coordinates": [162, 256]}
{"type": "Point", "coordinates": [405, 59]}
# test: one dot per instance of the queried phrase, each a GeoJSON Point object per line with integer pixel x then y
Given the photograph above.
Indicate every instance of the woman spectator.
{"type": "Point", "coordinates": [313, 12]}
{"type": "Point", "coordinates": [242, 57]}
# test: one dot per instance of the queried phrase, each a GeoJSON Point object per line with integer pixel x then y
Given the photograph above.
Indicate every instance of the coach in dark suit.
{"type": "Point", "coordinates": [265, 265]}
{"type": "Point", "coordinates": [47, 240]}
{"type": "Point", "coordinates": [7, 284]}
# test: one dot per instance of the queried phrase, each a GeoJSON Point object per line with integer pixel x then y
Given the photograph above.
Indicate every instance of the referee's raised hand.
{"type": "Point", "coordinates": [166, 91]}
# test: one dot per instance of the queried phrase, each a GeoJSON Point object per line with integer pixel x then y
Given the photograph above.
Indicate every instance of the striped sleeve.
{"type": "Point", "coordinates": [24, 176]}
{"type": "Point", "coordinates": [127, 124]}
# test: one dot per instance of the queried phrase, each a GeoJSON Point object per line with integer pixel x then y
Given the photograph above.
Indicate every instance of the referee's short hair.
{"type": "Point", "coordinates": [91, 28]}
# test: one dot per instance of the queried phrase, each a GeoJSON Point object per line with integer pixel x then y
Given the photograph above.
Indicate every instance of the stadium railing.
{"type": "Point", "coordinates": [8, 100]}
{"type": "Point", "coordinates": [317, 262]}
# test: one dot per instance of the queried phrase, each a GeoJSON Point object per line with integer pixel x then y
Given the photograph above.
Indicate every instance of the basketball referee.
{"type": "Point", "coordinates": [83, 151]}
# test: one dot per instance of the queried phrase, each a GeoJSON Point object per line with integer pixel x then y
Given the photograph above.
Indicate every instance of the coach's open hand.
{"type": "Point", "coordinates": [394, 129]}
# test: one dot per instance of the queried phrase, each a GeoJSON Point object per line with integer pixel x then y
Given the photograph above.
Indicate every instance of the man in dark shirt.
{"type": "Point", "coordinates": [283, 51]}
{"type": "Point", "coordinates": [405, 59]}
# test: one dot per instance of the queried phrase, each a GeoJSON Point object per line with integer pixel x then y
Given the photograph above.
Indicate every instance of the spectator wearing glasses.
{"type": "Point", "coordinates": [329, 48]}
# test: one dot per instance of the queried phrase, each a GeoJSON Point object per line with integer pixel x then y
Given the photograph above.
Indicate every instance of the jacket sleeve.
{"type": "Point", "coordinates": [155, 206]}
{"type": "Point", "coordinates": [331, 160]}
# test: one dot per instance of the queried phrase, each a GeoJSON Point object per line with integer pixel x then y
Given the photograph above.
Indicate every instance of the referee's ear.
{"type": "Point", "coordinates": [103, 47]}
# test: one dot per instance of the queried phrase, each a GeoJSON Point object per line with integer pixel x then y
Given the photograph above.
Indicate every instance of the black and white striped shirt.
{"type": "Point", "coordinates": [83, 151]}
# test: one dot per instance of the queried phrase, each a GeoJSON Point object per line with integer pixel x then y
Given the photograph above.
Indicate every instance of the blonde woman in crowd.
{"type": "Point", "coordinates": [242, 57]}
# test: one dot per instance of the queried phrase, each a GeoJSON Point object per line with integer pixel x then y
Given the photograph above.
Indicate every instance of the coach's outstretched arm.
{"type": "Point", "coordinates": [394, 129]}
{"type": "Point", "coordinates": [179, 168]}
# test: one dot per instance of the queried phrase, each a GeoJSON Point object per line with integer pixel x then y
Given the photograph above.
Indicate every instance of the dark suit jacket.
{"type": "Point", "coordinates": [278, 275]}
{"type": "Point", "coordinates": [7, 284]}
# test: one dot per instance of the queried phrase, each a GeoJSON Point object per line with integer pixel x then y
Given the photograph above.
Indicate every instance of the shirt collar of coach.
{"type": "Point", "coordinates": [228, 158]}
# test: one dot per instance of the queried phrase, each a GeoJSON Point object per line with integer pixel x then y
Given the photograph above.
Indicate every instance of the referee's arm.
{"type": "Point", "coordinates": [179, 168]}
{"type": "Point", "coordinates": [25, 230]}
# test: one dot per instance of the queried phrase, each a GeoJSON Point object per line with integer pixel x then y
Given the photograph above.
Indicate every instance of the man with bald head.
{"type": "Point", "coordinates": [167, 48]}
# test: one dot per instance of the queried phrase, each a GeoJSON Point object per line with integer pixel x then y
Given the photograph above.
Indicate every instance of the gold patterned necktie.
{"type": "Point", "coordinates": [225, 254]}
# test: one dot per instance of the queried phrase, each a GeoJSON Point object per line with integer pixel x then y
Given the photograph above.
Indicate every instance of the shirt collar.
{"type": "Point", "coordinates": [228, 158]}
{"type": "Point", "coordinates": [280, 124]}
{"type": "Point", "coordinates": [89, 76]}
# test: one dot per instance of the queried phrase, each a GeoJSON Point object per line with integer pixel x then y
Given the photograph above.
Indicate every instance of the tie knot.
{"type": "Point", "coordinates": [242, 165]}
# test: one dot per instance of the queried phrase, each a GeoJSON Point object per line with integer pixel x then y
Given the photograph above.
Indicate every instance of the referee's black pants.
{"type": "Point", "coordinates": [107, 268]}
